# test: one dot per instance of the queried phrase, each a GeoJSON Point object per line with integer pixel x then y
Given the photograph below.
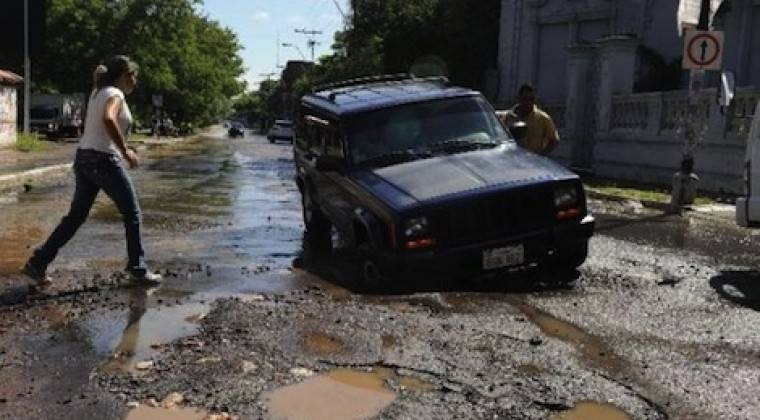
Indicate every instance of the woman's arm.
{"type": "Point", "coordinates": [111, 121]}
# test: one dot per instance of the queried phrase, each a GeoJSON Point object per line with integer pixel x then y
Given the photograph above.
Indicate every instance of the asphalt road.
{"type": "Point", "coordinates": [661, 323]}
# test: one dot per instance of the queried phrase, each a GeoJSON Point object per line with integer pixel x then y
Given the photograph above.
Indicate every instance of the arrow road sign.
{"type": "Point", "coordinates": [703, 50]}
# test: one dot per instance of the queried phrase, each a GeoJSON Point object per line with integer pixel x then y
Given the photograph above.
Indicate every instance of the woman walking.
{"type": "Point", "coordinates": [99, 164]}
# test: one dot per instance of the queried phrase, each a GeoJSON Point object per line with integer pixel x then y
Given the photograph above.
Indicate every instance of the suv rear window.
{"type": "Point", "coordinates": [424, 128]}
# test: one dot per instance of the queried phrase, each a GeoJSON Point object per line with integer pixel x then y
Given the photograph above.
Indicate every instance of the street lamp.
{"type": "Point", "coordinates": [288, 44]}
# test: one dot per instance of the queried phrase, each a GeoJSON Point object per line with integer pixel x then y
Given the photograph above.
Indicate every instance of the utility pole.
{"type": "Point", "coordinates": [27, 69]}
{"type": "Point", "coordinates": [311, 43]}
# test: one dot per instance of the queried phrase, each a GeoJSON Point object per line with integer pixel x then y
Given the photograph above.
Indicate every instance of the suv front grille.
{"type": "Point", "coordinates": [506, 213]}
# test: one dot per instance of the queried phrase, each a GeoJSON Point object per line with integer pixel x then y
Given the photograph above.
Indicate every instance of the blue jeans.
{"type": "Point", "coordinates": [95, 171]}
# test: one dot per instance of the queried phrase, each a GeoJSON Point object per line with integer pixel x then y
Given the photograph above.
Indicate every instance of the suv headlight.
{"type": "Point", "coordinates": [565, 197]}
{"type": "Point", "coordinates": [415, 227]}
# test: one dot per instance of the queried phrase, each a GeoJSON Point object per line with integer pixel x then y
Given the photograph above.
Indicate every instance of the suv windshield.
{"type": "Point", "coordinates": [422, 130]}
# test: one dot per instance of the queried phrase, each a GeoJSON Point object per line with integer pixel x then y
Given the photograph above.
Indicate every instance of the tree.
{"type": "Point", "coordinates": [190, 59]}
{"type": "Point", "coordinates": [460, 37]}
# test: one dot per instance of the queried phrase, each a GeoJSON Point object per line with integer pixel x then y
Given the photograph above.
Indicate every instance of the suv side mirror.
{"type": "Point", "coordinates": [727, 89]}
{"type": "Point", "coordinates": [329, 164]}
{"type": "Point", "coordinates": [519, 130]}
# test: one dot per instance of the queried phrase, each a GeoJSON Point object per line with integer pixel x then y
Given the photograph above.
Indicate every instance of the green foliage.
{"type": "Point", "coordinates": [454, 38]}
{"type": "Point", "coordinates": [29, 143]}
{"type": "Point", "coordinates": [190, 59]}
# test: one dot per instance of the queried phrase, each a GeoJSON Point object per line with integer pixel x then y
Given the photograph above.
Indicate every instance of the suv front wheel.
{"type": "Point", "coordinates": [317, 225]}
{"type": "Point", "coordinates": [375, 277]}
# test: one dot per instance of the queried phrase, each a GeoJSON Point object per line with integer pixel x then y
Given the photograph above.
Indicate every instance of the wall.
{"type": "Point", "coordinates": [645, 140]}
{"type": "Point", "coordinates": [8, 115]}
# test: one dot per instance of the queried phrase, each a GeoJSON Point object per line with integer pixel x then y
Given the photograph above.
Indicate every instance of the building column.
{"type": "Point", "coordinates": [617, 67]}
{"type": "Point", "coordinates": [579, 61]}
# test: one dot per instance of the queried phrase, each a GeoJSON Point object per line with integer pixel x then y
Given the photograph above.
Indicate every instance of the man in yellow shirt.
{"type": "Point", "coordinates": [541, 135]}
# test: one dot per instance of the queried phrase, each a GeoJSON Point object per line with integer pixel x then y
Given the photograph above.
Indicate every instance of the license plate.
{"type": "Point", "coordinates": [503, 257]}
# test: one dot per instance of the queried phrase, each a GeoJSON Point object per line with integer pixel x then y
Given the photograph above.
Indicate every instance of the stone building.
{"type": "Point", "coordinates": [9, 82]}
{"type": "Point", "coordinates": [609, 72]}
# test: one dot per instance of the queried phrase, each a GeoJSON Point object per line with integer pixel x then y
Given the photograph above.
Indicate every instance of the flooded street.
{"type": "Point", "coordinates": [660, 323]}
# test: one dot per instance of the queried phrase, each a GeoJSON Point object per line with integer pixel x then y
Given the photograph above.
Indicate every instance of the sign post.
{"type": "Point", "coordinates": [702, 51]}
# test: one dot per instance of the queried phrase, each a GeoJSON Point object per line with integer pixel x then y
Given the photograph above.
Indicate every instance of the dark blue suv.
{"type": "Point", "coordinates": [420, 177]}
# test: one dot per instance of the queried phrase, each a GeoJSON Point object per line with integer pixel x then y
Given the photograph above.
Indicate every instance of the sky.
{"type": "Point", "coordinates": [258, 23]}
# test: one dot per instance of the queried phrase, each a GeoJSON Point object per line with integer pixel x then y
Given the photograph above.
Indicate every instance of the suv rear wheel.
{"type": "Point", "coordinates": [317, 225]}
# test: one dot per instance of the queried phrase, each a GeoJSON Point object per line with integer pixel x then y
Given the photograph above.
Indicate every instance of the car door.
{"type": "Point", "coordinates": [335, 183]}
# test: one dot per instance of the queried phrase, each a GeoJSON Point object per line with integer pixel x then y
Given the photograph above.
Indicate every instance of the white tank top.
{"type": "Point", "coordinates": [95, 135]}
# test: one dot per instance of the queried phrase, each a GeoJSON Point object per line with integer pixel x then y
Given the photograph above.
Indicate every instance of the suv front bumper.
{"type": "Point", "coordinates": [540, 247]}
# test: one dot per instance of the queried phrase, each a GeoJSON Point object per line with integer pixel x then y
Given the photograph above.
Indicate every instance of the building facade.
{"type": "Point", "coordinates": [609, 72]}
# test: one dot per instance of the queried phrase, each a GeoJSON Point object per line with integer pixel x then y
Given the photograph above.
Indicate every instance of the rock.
{"type": "Point", "coordinates": [249, 367]}
{"type": "Point", "coordinates": [172, 400]}
{"type": "Point", "coordinates": [302, 372]}
{"type": "Point", "coordinates": [133, 404]}
{"type": "Point", "coordinates": [211, 359]}
{"type": "Point", "coordinates": [144, 365]}
{"type": "Point", "coordinates": [151, 402]}
{"type": "Point", "coordinates": [223, 416]}
{"type": "Point", "coordinates": [633, 206]}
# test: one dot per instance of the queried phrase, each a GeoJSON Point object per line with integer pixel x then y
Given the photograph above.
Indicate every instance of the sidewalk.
{"type": "Point", "coordinates": [48, 167]}
{"type": "Point", "coordinates": [657, 198]}
{"type": "Point", "coordinates": [45, 167]}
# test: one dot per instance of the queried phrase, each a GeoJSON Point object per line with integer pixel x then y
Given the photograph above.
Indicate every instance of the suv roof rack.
{"type": "Point", "coordinates": [397, 77]}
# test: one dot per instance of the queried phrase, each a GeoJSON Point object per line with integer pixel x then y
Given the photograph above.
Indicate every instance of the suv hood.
{"type": "Point", "coordinates": [434, 179]}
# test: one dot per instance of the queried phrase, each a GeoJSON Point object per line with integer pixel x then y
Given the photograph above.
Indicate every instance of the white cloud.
{"type": "Point", "coordinates": [261, 16]}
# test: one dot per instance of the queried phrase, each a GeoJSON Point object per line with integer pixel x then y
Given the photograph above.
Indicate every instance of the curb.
{"type": "Point", "coordinates": [46, 175]}
{"type": "Point", "coordinates": [657, 205]}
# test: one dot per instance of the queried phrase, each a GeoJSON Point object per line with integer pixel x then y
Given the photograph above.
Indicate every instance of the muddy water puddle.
{"type": "Point", "coordinates": [157, 413]}
{"type": "Point", "coordinates": [15, 246]}
{"type": "Point", "coordinates": [592, 347]}
{"type": "Point", "coordinates": [592, 411]}
{"type": "Point", "coordinates": [341, 394]}
{"type": "Point", "coordinates": [135, 334]}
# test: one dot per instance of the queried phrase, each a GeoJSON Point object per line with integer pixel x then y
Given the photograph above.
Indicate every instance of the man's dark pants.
{"type": "Point", "coordinates": [95, 171]}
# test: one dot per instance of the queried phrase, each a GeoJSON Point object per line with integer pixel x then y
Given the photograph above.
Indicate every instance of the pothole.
{"type": "Point", "coordinates": [321, 343]}
{"type": "Point", "coordinates": [591, 411]}
{"type": "Point", "coordinates": [341, 394]}
{"type": "Point", "coordinates": [592, 347]}
{"type": "Point", "coordinates": [144, 412]}
{"type": "Point", "coordinates": [389, 341]}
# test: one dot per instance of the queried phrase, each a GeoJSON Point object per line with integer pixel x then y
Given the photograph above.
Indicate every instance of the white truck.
{"type": "Point", "coordinates": [748, 206]}
{"type": "Point", "coordinates": [57, 115]}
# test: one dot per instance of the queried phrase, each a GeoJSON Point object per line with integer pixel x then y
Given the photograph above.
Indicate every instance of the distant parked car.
{"type": "Point", "coordinates": [281, 130]}
{"type": "Point", "coordinates": [236, 130]}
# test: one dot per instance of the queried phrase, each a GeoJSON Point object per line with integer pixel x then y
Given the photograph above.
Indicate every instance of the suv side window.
{"type": "Point", "coordinates": [311, 138]}
{"type": "Point", "coordinates": [333, 143]}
